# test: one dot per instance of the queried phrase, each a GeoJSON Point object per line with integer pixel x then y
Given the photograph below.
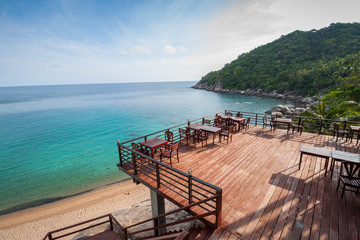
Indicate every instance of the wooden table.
{"type": "Point", "coordinates": [341, 156]}
{"type": "Point", "coordinates": [285, 121]}
{"type": "Point", "coordinates": [352, 130]}
{"type": "Point", "coordinates": [317, 152]}
{"type": "Point", "coordinates": [210, 129]}
{"type": "Point", "coordinates": [153, 143]}
{"type": "Point", "coordinates": [238, 120]}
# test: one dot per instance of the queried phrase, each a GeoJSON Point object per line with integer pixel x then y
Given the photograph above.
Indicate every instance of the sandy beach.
{"type": "Point", "coordinates": [36, 222]}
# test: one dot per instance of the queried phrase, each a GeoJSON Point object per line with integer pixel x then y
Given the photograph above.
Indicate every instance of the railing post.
{"type": "Point", "coordinates": [321, 123]}
{"type": "Point", "coordinates": [156, 232]}
{"type": "Point", "coordinates": [125, 233]}
{"type": "Point", "coordinates": [190, 185]}
{"type": "Point", "coordinates": [111, 223]}
{"type": "Point", "coordinates": [133, 158]}
{"type": "Point", "coordinates": [344, 124]}
{"type": "Point", "coordinates": [219, 209]}
{"type": "Point", "coordinates": [119, 148]}
{"type": "Point", "coordinates": [256, 117]}
{"type": "Point", "coordinates": [157, 175]}
{"type": "Point", "coordinates": [50, 237]}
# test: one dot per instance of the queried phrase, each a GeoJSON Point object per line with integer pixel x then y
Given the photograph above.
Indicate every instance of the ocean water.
{"type": "Point", "coordinates": [59, 141]}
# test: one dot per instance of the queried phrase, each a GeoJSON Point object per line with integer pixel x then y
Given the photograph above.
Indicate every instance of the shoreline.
{"type": "Point", "coordinates": [105, 200]}
{"type": "Point", "coordinates": [296, 100]}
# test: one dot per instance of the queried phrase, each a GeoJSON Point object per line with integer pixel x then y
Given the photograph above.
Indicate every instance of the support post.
{"type": "Point", "coordinates": [133, 157]}
{"type": "Point", "coordinates": [219, 209]}
{"type": "Point", "coordinates": [157, 175]}
{"type": "Point", "coordinates": [158, 208]}
{"type": "Point", "coordinates": [190, 185]}
{"type": "Point", "coordinates": [111, 224]}
{"type": "Point", "coordinates": [119, 148]}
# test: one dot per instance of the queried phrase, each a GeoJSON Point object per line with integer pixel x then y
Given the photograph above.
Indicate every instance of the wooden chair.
{"type": "Point", "coordinates": [239, 115]}
{"type": "Point", "coordinates": [170, 152]}
{"type": "Point", "coordinates": [229, 122]}
{"type": "Point", "coordinates": [227, 134]}
{"type": "Point", "coordinates": [185, 134]}
{"type": "Point", "coordinates": [201, 136]}
{"type": "Point", "coordinates": [169, 136]}
{"type": "Point", "coordinates": [349, 178]}
{"type": "Point", "coordinates": [217, 122]}
{"type": "Point", "coordinates": [138, 148]}
{"type": "Point", "coordinates": [338, 132]}
{"type": "Point", "coordinates": [266, 122]}
{"type": "Point", "coordinates": [206, 122]}
{"type": "Point", "coordinates": [246, 125]}
{"type": "Point", "coordinates": [299, 127]}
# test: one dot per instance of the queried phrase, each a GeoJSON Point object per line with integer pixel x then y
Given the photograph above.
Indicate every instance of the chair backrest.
{"type": "Point", "coordinates": [264, 119]}
{"type": "Point", "coordinates": [303, 121]}
{"type": "Point", "coordinates": [231, 129]}
{"type": "Point", "coordinates": [228, 114]}
{"type": "Point", "coordinates": [201, 133]}
{"type": "Point", "coordinates": [229, 122]}
{"type": "Point", "coordinates": [182, 131]}
{"type": "Point", "coordinates": [239, 114]}
{"type": "Point", "coordinates": [169, 136]}
{"type": "Point", "coordinates": [351, 169]}
{"type": "Point", "coordinates": [174, 147]}
{"type": "Point", "coordinates": [336, 127]}
{"type": "Point", "coordinates": [136, 147]}
{"type": "Point", "coordinates": [248, 121]}
{"type": "Point", "coordinates": [206, 121]}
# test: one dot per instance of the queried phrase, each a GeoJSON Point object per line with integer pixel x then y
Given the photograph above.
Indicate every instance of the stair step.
{"type": "Point", "coordinates": [194, 232]}
{"type": "Point", "coordinates": [171, 236]}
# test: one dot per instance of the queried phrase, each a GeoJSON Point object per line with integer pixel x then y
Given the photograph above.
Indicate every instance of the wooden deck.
{"type": "Point", "coordinates": [266, 196]}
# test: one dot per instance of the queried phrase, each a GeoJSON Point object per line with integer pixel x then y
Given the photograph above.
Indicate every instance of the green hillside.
{"type": "Point", "coordinates": [307, 63]}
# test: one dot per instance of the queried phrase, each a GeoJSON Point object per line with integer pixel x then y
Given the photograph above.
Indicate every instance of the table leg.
{"type": "Point", "coordinates": [152, 152]}
{"type": "Point", "coordinates": [301, 155]}
{"type": "Point", "coordinates": [326, 165]}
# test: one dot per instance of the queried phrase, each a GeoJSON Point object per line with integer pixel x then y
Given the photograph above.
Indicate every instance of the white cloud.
{"type": "Point", "coordinates": [173, 50]}
{"type": "Point", "coordinates": [169, 50]}
{"type": "Point", "coordinates": [182, 49]}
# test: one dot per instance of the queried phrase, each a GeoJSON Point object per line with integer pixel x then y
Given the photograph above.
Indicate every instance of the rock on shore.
{"type": "Point", "coordinates": [300, 103]}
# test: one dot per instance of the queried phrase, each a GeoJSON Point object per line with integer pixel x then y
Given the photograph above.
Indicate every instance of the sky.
{"type": "Point", "coordinates": [112, 41]}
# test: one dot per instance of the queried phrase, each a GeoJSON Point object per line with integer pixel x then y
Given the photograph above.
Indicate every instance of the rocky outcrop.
{"type": "Point", "coordinates": [300, 103]}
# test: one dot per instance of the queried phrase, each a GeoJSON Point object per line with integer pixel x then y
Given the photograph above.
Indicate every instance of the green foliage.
{"type": "Point", "coordinates": [324, 62]}
{"type": "Point", "coordinates": [305, 62]}
{"type": "Point", "coordinates": [343, 110]}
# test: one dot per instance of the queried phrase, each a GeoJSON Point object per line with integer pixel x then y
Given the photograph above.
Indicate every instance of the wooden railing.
{"type": "Point", "coordinates": [129, 232]}
{"type": "Point", "coordinates": [163, 178]}
{"type": "Point", "coordinates": [114, 225]}
{"type": "Point", "coordinates": [132, 230]}
{"type": "Point", "coordinates": [312, 125]}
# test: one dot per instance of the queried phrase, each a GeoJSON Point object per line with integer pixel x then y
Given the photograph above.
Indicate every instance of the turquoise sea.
{"type": "Point", "coordinates": [59, 141]}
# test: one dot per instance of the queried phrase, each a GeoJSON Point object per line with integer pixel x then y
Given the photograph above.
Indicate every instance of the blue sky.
{"type": "Point", "coordinates": [105, 41]}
